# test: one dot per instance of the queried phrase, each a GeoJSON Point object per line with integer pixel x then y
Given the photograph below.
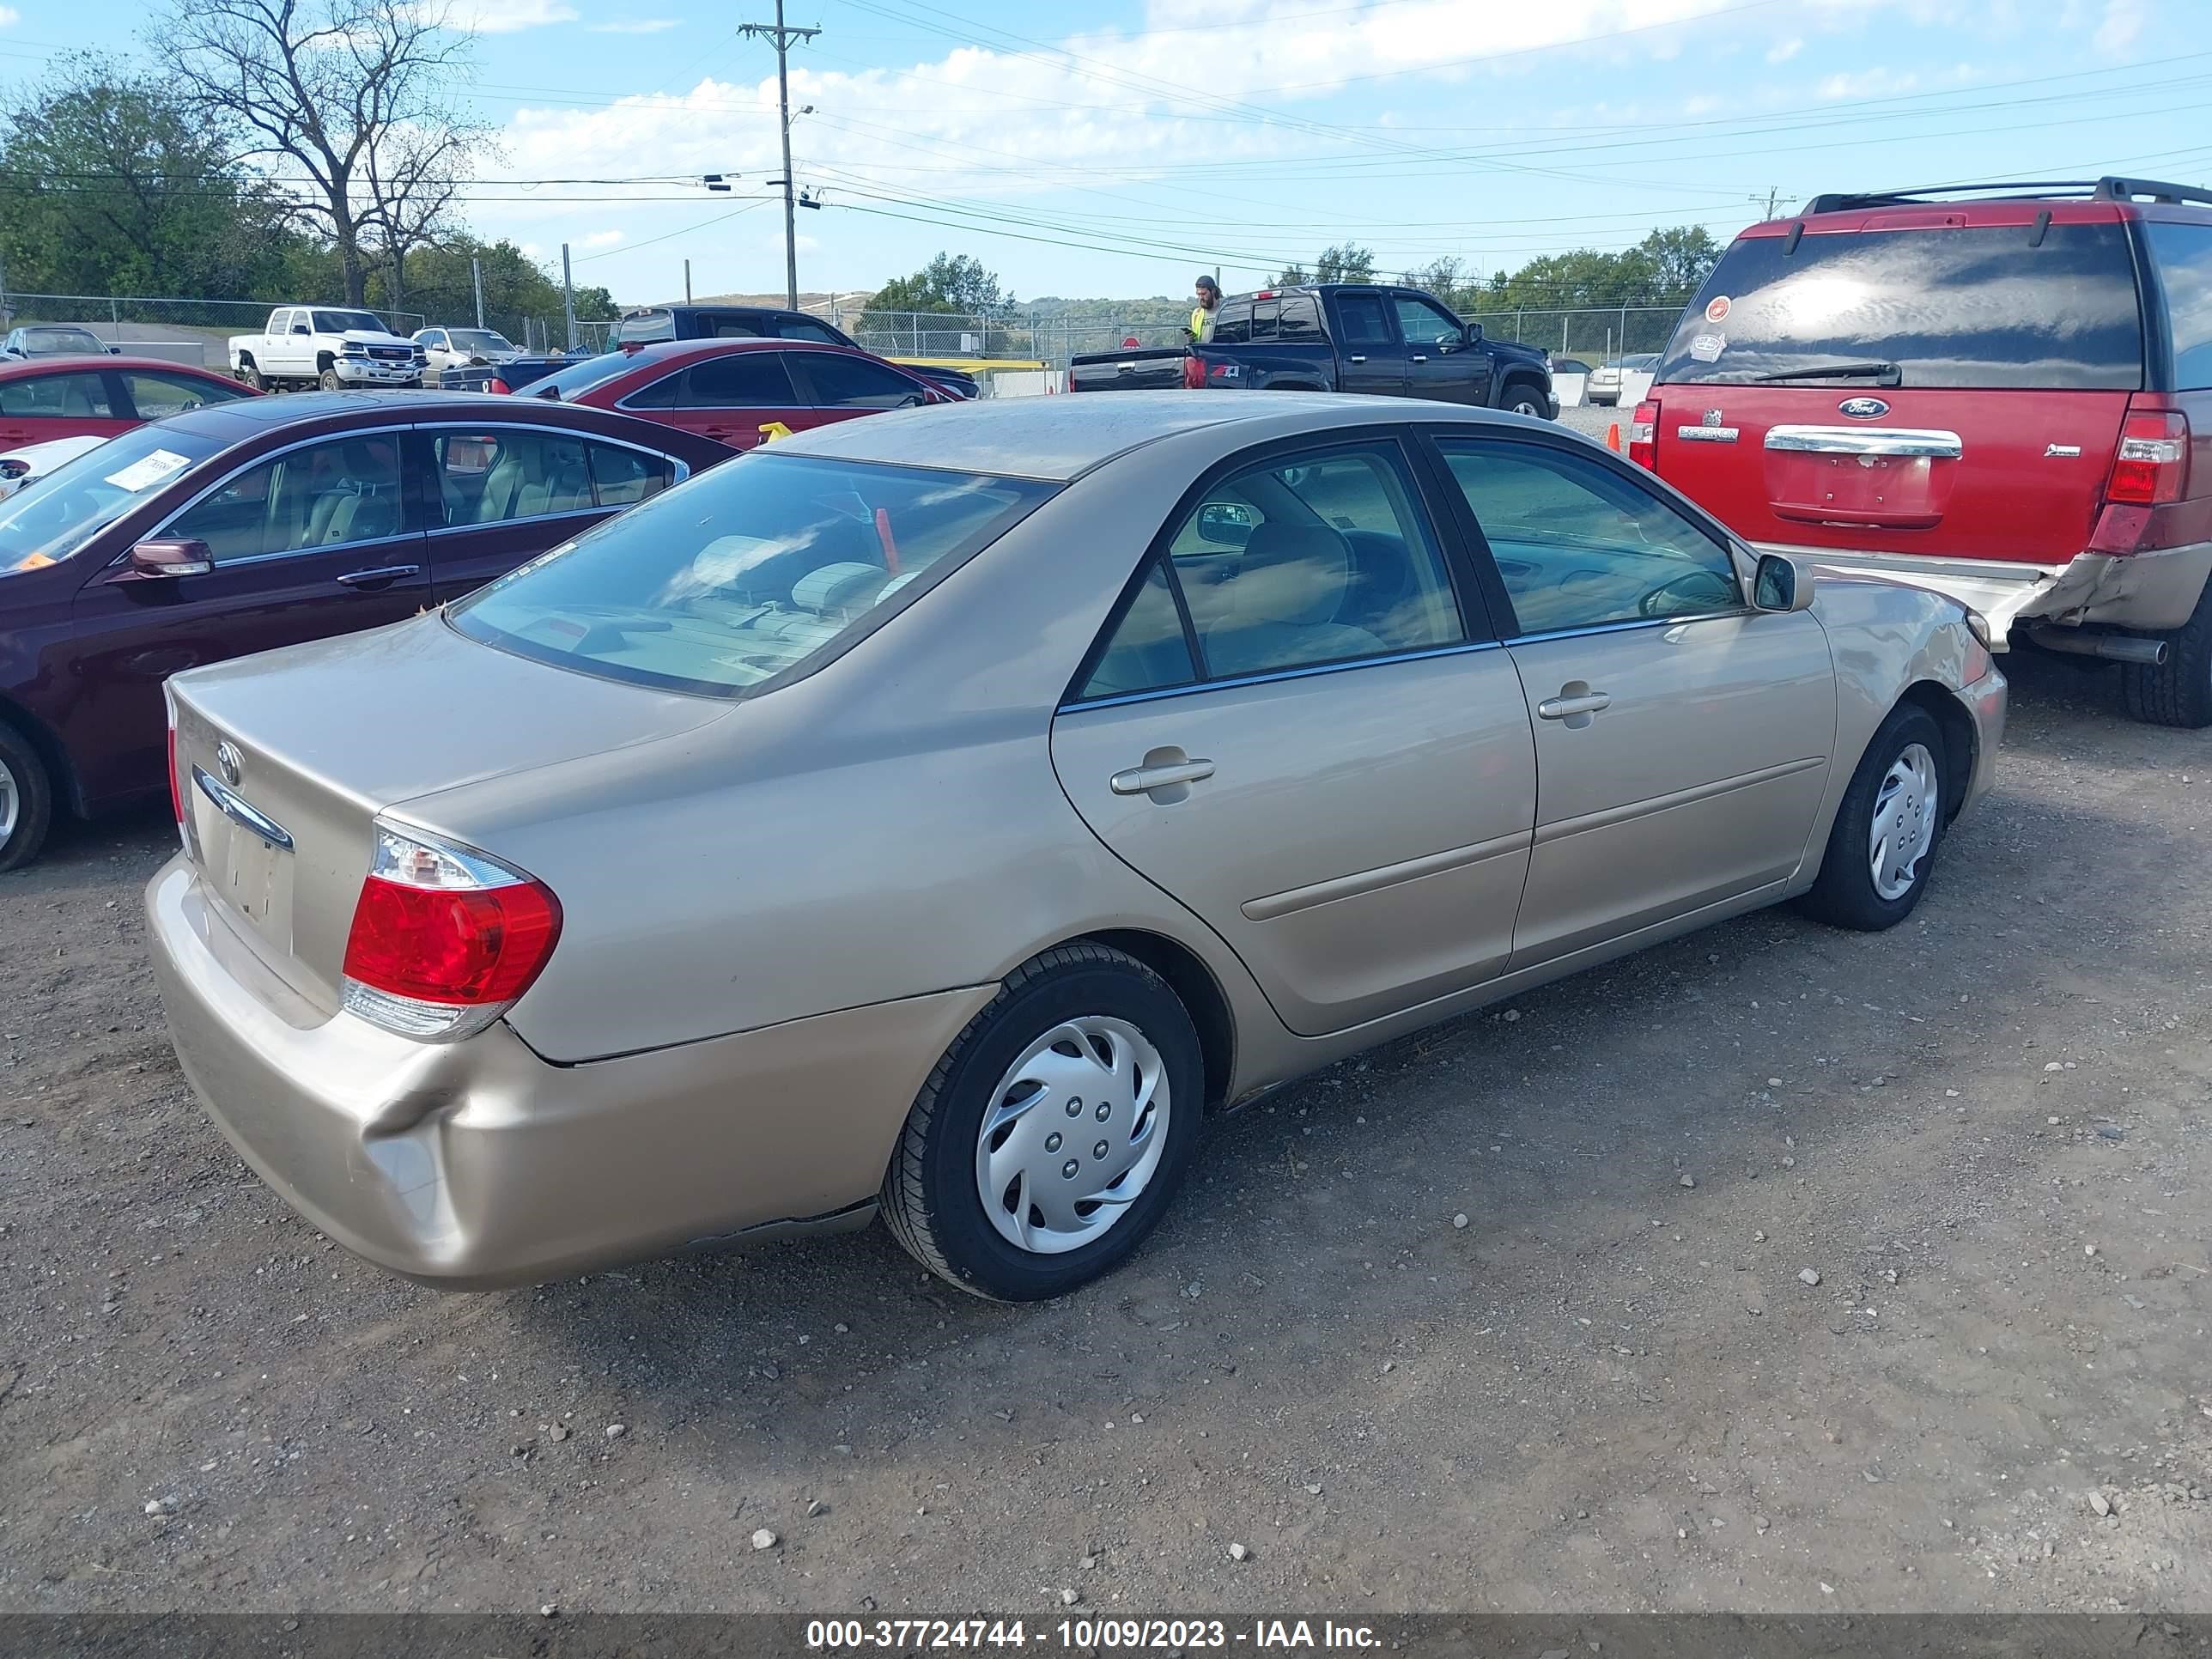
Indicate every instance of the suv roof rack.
{"type": "Point", "coordinates": [2111, 188]}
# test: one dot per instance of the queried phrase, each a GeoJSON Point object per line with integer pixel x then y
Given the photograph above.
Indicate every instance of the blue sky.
{"type": "Point", "coordinates": [1116, 149]}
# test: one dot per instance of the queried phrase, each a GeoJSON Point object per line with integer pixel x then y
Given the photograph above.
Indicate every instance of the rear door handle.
{"type": "Point", "coordinates": [1419, 359]}
{"type": "Point", "coordinates": [1561, 708]}
{"type": "Point", "coordinates": [1359, 359]}
{"type": "Point", "coordinates": [380, 575]}
{"type": "Point", "coordinates": [1143, 779]}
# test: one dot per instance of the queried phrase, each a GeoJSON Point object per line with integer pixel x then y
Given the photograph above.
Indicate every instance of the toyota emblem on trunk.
{"type": "Point", "coordinates": [227, 762]}
{"type": "Point", "coordinates": [1863, 409]}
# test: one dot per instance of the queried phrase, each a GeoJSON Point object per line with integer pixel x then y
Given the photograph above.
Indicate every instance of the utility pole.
{"type": "Point", "coordinates": [568, 297]}
{"type": "Point", "coordinates": [475, 275]}
{"type": "Point", "coordinates": [783, 36]}
{"type": "Point", "coordinates": [687, 282]}
{"type": "Point", "coordinates": [1773, 198]}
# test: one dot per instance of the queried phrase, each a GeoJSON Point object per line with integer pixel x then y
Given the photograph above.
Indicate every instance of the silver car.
{"type": "Point", "coordinates": [941, 814]}
{"type": "Point", "coordinates": [1604, 385]}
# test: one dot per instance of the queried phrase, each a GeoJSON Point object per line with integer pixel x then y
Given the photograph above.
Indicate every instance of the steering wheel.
{"type": "Point", "coordinates": [1718, 589]}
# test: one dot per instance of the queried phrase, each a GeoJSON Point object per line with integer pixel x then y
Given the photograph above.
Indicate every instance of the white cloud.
{"type": "Point", "coordinates": [599, 238]}
{"type": "Point", "coordinates": [1782, 51]}
{"type": "Point", "coordinates": [637, 25]}
{"type": "Point", "coordinates": [509, 16]}
{"type": "Point", "coordinates": [9, 17]}
{"type": "Point", "coordinates": [2123, 21]}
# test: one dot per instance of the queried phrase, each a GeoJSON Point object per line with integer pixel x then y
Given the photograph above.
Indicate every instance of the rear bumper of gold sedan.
{"type": "Point", "coordinates": [1985, 701]}
{"type": "Point", "coordinates": [479, 1163]}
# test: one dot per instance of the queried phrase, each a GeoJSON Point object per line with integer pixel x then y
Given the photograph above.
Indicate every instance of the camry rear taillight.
{"type": "Point", "coordinates": [2151, 466]}
{"type": "Point", "coordinates": [1644, 436]}
{"type": "Point", "coordinates": [444, 939]}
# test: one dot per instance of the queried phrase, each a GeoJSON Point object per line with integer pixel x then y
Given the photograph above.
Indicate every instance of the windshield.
{"type": "Point", "coordinates": [53, 517]}
{"type": "Point", "coordinates": [1984, 307]}
{"type": "Point", "coordinates": [58, 340]}
{"type": "Point", "coordinates": [578, 378]}
{"type": "Point", "coordinates": [338, 322]}
{"type": "Point", "coordinates": [745, 571]}
{"type": "Point", "coordinates": [480, 339]}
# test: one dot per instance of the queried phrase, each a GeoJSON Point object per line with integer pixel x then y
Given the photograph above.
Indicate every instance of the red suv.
{"type": "Point", "coordinates": [2003, 392]}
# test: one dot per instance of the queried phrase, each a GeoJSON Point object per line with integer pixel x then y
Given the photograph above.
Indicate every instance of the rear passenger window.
{"type": "Point", "coordinates": [2184, 255]}
{"type": "Point", "coordinates": [495, 477]}
{"type": "Point", "coordinates": [1579, 546]}
{"type": "Point", "coordinates": [1361, 320]}
{"type": "Point", "coordinates": [624, 477]}
{"type": "Point", "coordinates": [843, 382]}
{"type": "Point", "coordinates": [1322, 558]}
{"type": "Point", "coordinates": [56, 397]}
{"type": "Point", "coordinates": [1146, 650]}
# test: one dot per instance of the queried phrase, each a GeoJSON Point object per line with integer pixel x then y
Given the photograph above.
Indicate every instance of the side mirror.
{"type": "Point", "coordinates": [115, 351]}
{"type": "Point", "coordinates": [1779, 585]}
{"type": "Point", "coordinates": [1473, 333]}
{"type": "Point", "coordinates": [1225, 524]}
{"type": "Point", "coordinates": [167, 557]}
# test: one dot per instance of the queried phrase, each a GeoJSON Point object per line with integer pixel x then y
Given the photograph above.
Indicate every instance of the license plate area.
{"type": "Point", "coordinates": [246, 857]}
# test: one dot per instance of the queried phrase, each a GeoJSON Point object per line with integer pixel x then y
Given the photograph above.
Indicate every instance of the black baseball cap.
{"type": "Point", "coordinates": [1207, 280]}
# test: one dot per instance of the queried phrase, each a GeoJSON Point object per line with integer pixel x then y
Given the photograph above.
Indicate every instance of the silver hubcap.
{"type": "Point", "coordinates": [1073, 1134]}
{"type": "Point", "coordinates": [1904, 809]}
{"type": "Point", "coordinates": [10, 798]}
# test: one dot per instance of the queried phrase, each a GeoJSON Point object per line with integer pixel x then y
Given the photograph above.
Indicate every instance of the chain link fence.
{"type": "Point", "coordinates": [1590, 334]}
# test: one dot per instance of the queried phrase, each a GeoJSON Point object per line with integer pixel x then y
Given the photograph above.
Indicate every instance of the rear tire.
{"type": "Point", "coordinates": [2178, 691]}
{"type": "Point", "coordinates": [27, 800]}
{"type": "Point", "coordinates": [1901, 774]}
{"type": "Point", "coordinates": [933, 1193]}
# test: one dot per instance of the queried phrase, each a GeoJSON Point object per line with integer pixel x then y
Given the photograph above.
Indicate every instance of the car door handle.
{"type": "Point", "coordinates": [1361, 358]}
{"type": "Point", "coordinates": [381, 575]}
{"type": "Point", "coordinates": [1143, 779]}
{"type": "Point", "coordinates": [1561, 708]}
{"type": "Point", "coordinates": [1419, 358]}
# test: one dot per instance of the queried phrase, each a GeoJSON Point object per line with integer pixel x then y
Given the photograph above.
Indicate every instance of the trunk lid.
{"type": "Point", "coordinates": [284, 760]}
{"type": "Point", "coordinates": [1954, 474]}
{"type": "Point", "coordinates": [1943, 381]}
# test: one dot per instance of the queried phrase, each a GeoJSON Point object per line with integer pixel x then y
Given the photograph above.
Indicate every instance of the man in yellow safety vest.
{"type": "Point", "coordinates": [1201, 315]}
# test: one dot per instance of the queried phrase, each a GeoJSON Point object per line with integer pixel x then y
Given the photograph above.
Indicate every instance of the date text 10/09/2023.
{"type": "Point", "coordinates": [1134, 1635]}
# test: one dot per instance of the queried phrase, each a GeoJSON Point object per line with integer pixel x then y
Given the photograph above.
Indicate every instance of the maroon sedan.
{"type": "Point", "coordinates": [731, 389]}
{"type": "Point", "coordinates": [42, 398]}
{"type": "Point", "coordinates": [261, 523]}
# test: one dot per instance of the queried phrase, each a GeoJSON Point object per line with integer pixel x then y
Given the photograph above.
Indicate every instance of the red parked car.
{"type": "Point", "coordinates": [728, 390]}
{"type": "Point", "coordinates": [46, 398]}
{"type": "Point", "coordinates": [264, 523]}
{"type": "Point", "coordinates": [2002, 392]}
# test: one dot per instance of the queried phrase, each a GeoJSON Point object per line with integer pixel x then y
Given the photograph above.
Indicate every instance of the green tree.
{"type": "Point", "coordinates": [949, 283]}
{"type": "Point", "coordinates": [110, 183]}
{"type": "Point", "coordinates": [1344, 263]}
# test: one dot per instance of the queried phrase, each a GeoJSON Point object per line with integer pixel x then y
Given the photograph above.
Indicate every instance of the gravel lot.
{"type": "Point", "coordinates": [1616, 1387]}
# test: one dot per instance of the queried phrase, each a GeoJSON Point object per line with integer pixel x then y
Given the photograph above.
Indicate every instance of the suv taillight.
{"type": "Point", "coordinates": [444, 939]}
{"type": "Point", "coordinates": [2151, 466]}
{"type": "Point", "coordinates": [1644, 436]}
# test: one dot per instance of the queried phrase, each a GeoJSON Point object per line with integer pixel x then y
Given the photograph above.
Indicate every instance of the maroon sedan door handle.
{"type": "Point", "coordinates": [382, 577]}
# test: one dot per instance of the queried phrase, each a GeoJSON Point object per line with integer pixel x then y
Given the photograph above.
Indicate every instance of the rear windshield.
{"type": "Point", "coordinates": [578, 378]}
{"type": "Point", "coordinates": [51, 519]}
{"type": "Point", "coordinates": [745, 571]}
{"type": "Point", "coordinates": [1973, 307]}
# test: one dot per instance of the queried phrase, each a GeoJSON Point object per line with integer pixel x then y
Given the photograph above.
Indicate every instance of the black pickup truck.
{"type": "Point", "coordinates": [1336, 337]}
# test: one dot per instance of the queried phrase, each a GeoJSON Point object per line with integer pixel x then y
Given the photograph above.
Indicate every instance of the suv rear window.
{"type": "Point", "coordinates": [745, 572]}
{"type": "Point", "coordinates": [1963, 307]}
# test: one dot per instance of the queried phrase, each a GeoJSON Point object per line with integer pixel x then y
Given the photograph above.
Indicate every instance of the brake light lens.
{"type": "Point", "coordinates": [2152, 467]}
{"type": "Point", "coordinates": [1644, 436]}
{"type": "Point", "coordinates": [498, 386]}
{"type": "Point", "coordinates": [444, 939]}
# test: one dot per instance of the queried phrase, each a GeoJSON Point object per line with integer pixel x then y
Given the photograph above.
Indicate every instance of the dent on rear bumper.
{"type": "Point", "coordinates": [479, 1163]}
{"type": "Point", "coordinates": [2150, 592]}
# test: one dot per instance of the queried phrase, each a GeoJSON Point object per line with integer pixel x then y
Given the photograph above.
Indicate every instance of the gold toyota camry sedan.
{"type": "Point", "coordinates": [939, 815]}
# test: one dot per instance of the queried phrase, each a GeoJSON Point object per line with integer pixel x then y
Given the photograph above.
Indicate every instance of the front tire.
{"type": "Point", "coordinates": [1882, 848]}
{"type": "Point", "coordinates": [328, 379]}
{"type": "Point", "coordinates": [1051, 1138]}
{"type": "Point", "coordinates": [249, 376]}
{"type": "Point", "coordinates": [27, 800]}
{"type": "Point", "coordinates": [2178, 691]}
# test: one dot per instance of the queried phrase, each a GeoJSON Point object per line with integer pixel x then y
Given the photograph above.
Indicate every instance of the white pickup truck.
{"type": "Point", "coordinates": [327, 346]}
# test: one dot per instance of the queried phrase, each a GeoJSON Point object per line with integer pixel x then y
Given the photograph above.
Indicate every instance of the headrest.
{"type": "Point", "coordinates": [1292, 573]}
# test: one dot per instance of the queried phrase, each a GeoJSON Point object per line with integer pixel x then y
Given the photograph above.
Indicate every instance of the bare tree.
{"type": "Point", "coordinates": [357, 93]}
